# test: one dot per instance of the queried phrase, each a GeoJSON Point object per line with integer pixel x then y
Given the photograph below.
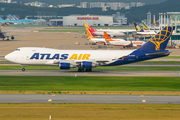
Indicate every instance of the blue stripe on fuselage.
{"type": "Point", "coordinates": [136, 56]}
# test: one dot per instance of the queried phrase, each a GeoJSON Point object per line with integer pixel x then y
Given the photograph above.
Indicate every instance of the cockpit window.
{"type": "Point", "coordinates": [17, 49]}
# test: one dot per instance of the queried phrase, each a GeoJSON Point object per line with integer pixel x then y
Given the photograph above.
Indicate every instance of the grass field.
{"type": "Point", "coordinates": [61, 30]}
{"type": "Point", "coordinates": [171, 57]}
{"type": "Point", "coordinates": [56, 83]}
{"type": "Point", "coordinates": [93, 27]}
{"type": "Point", "coordinates": [89, 111]}
{"type": "Point", "coordinates": [118, 68]}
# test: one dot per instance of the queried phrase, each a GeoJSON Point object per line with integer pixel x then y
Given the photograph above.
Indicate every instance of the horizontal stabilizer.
{"type": "Point", "coordinates": [158, 53]}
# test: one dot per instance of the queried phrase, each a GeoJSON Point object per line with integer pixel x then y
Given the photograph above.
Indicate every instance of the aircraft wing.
{"type": "Point", "coordinates": [77, 62]}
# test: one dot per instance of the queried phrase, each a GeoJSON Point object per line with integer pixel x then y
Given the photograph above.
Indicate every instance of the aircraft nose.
{"type": "Point", "coordinates": [7, 57]}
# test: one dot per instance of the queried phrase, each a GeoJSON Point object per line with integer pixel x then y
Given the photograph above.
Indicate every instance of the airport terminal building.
{"type": "Point", "coordinates": [78, 20]}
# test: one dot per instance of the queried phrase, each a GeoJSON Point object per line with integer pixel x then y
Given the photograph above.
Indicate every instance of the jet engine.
{"type": "Point", "coordinates": [66, 66]}
{"type": "Point", "coordinates": [87, 64]}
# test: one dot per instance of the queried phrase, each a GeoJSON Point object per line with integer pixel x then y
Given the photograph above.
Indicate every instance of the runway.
{"type": "Point", "coordinates": [16, 98]}
{"type": "Point", "coordinates": [93, 73]}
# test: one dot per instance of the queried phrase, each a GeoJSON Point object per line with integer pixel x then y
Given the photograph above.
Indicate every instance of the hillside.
{"type": "Point", "coordinates": [77, 2]}
{"type": "Point", "coordinates": [134, 14]}
{"type": "Point", "coordinates": [137, 14]}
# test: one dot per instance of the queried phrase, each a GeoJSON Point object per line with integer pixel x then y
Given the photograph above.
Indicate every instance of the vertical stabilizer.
{"type": "Point", "coordinates": [137, 28]}
{"type": "Point", "coordinates": [159, 41]}
{"type": "Point", "coordinates": [145, 26]}
{"type": "Point", "coordinates": [89, 34]}
{"type": "Point", "coordinates": [106, 36]}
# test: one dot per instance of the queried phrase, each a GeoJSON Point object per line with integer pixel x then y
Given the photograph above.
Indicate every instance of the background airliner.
{"type": "Point", "coordinates": [141, 31]}
{"type": "Point", "coordinates": [3, 35]}
{"type": "Point", "coordinates": [121, 42]}
{"type": "Point", "coordinates": [88, 59]}
{"type": "Point", "coordinates": [110, 32]}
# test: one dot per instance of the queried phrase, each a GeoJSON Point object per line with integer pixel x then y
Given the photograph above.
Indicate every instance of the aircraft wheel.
{"type": "Point", "coordinates": [80, 69]}
{"type": "Point", "coordinates": [8, 39]}
{"type": "Point", "coordinates": [23, 69]}
{"type": "Point", "coordinates": [88, 69]}
{"type": "Point", "coordinates": [12, 37]}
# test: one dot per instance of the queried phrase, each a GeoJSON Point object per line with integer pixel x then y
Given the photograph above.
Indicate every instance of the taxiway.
{"type": "Point", "coordinates": [135, 99]}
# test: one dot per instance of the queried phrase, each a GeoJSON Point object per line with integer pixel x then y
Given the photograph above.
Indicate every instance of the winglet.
{"type": "Point", "coordinates": [159, 41]}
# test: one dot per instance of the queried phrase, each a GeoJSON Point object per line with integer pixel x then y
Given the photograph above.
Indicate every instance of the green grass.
{"type": "Point", "coordinates": [60, 31]}
{"type": "Point", "coordinates": [159, 62]}
{"type": "Point", "coordinates": [64, 28]}
{"type": "Point", "coordinates": [27, 25]}
{"type": "Point", "coordinates": [60, 83]}
{"type": "Point", "coordinates": [119, 68]}
{"type": "Point", "coordinates": [171, 57]}
{"type": "Point", "coordinates": [82, 27]}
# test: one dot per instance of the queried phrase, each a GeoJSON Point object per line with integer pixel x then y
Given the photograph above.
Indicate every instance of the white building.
{"type": "Point", "coordinates": [78, 20]}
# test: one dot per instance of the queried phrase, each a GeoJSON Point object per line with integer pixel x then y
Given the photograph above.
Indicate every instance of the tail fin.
{"type": "Point", "coordinates": [91, 29]}
{"type": "Point", "coordinates": [145, 26]}
{"type": "Point", "coordinates": [85, 25]}
{"type": "Point", "coordinates": [106, 36]}
{"type": "Point", "coordinates": [1, 18]}
{"type": "Point", "coordinates": [10, 17]}
{"type": "Point", "coordinates": [137, 28]}
{"type": "Point", "coordinates": [89, 34]}
{"type": "Point", "coordinates": [15, 17]}
{"type": "Point", "coordinates": [154, 21]}
{"type": "Point", "coordinates": [159, 41]}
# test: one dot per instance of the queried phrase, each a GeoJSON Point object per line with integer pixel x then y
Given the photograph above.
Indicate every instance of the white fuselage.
{"type": "Point", "coordinates": [48, 56]}
{"type": "Point", "coordinates": [97, 40]}
{"type": "Point", "coordinates": [119, 42]}
{"type": "Point", "coordinates": [111, 33]}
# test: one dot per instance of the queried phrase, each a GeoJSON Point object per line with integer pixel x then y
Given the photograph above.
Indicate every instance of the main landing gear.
{"type": "Point", "coordinates": [82, 69]}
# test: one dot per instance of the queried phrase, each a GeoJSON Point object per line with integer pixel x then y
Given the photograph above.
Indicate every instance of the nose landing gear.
{"type": "Point", "coordinates": [23, 69]}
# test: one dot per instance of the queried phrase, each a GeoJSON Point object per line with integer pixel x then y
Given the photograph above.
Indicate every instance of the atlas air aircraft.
{"type": "Point", "coordinates": [3, 35]}
{"type": "Point", "coordinates": [88, 59]}
{"type": "Point", "coordinates": [110, 32]}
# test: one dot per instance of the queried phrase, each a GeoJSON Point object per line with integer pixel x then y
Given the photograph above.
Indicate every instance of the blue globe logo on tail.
{"type": "Point", "coordinates": [161, 37]}
{"type": "Point", "coordinates": [159, 41]}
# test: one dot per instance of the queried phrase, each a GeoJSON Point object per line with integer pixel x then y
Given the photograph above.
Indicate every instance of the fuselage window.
{"type": "Point", "coordinates": [17, 49]}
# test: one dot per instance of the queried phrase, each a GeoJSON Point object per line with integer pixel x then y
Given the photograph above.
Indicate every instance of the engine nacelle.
{"type": "Point", "coordinates": [12, 37]}
{"type": "Point", "coordinates": [64, 65]}
{"type": "Point", "coordinates": [87, 64]}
